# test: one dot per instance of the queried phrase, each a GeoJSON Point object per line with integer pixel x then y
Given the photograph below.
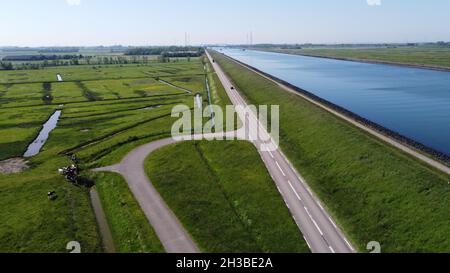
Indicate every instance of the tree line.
{"type": "Point", "coordinates": [165, 50]}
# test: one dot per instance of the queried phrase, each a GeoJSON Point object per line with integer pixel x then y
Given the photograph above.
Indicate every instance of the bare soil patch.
{"type": "Point", "coordinates": [13, 165]}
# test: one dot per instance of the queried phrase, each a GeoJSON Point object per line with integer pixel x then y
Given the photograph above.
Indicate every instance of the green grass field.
{"type": "Point", "coordinates": [225, 198]}
{"type": "Point", "coordinates": [424, 56]}
{"type": "Point", "coordinates": [106, 113]}
{"type": "Point", "coordinates": [131, 230]}
{"type": "Point", "coordinates": [375, 192]}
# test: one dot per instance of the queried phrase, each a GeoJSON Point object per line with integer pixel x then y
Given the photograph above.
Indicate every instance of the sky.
{"type": "Point", "coordinates": [166, 22]}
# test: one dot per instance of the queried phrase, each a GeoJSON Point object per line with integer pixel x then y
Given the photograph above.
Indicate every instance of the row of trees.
{"type": "Point", "coordinates": [88, 60]}
{"type": "Point", "coordinates": [99, 60]}
{"type": "Point", "coordinates": [6, 66]}
{"type": "Point", "coordinates": [41, 57]}
{"type": "Point", "coordinates": [163, 50]}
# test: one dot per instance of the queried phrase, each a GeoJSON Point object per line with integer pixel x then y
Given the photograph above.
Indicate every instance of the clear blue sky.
{"type": "Point", "coordinates": [157, 22]}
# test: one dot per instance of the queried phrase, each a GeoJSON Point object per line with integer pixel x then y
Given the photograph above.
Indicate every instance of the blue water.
{"type": "Point", "coordinates": [413, 102]}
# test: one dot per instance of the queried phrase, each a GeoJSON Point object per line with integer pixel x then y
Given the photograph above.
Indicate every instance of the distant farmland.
{"type": "Point", "coordinates": [428, 56]}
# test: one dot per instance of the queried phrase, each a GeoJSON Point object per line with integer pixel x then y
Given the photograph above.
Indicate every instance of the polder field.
{"type": "Point", "coordinates": [428, 56]}
{"type": "Point", "coordinates": [106, 111]}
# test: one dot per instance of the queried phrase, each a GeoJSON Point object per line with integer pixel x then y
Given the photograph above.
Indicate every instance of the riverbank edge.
{"type": "Point", "coordinates": [368, 61]}
{"type": "Point", "coordinates": [395, 136]}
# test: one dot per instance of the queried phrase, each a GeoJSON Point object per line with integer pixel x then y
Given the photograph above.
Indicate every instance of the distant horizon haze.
{"type": "Point", "coordinates": [48, 23]}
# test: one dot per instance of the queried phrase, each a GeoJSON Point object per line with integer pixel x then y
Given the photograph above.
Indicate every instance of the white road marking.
{"type": "Point", "coordinates": [278, 189]}
{"type": "Point", "coordinates": [239, 101]}
{"type": "Point", "coordinates": [295, 192]}
{"type": "Point", "coordinates": [281, 170]}
{"type": "Point", "coordinates": [307, 242]}
{"type": "Point", "coordinates": [349, 245]}
{"type": "Point", "coordinates": [320, 206]}
{"type": "Point", "coordinates": [317, 226]}
{"type": "Point", "coordinates": [332, 222]}
{"type": "Point", "coordinates": [309, 214]}
{"type": "Point", "coordinates": [332, 250]}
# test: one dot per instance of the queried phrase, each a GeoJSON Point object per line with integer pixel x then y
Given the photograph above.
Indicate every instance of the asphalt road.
{"type": "Point", "coordinates": [318, 228]}
{"type": "Point", "coordinates": [411, 151]}
{"type": "Point", "coordinates": [316, 225]}
{"type": "Point", "coordinates": [169, 230]}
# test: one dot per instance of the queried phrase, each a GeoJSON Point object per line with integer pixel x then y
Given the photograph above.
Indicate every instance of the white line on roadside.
{"type": "Point", "coordinates": [307, 242]}
{"type": "Point", "coordinates": [279, 167]}
{"type": "Point", "coordinates": [332, 222]}
{"type": "Point", "coordinates": [271, 155]}
{"type": "Point", "coordinates": [349, 245]}
{"type": "Point", "coordinates": [320, 206]}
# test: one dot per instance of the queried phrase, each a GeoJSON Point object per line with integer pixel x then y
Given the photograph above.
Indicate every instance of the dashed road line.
{"type": "Point", "coordinates": [332, 250]}
{"type": "Point", "coordinates": [279, 167]}
{"type": "Point", "coordinates": [295, 192]}
{"type": "Point", "coordinates": [317, 226]}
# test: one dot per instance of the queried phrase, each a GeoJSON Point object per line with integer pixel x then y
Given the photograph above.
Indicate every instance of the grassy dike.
{"type": "Point", "coordinates": [224, 197]}
{"type": "Point", "coordinates": [130, 229]}
{"type": "Point", "coordinates": [375, 192]}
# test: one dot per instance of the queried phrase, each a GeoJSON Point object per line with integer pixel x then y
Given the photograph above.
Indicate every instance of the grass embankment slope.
{"type": "Point", "coordinates": [130, 228]}
{"type": "Point", "coordinates": [434, 57]}
{"type": "Point", "coordinates": [374, 191]}
{"type": "Point", "coordinates": [224, 197]}
{"type": "Point", "coordinates": [103, 118]}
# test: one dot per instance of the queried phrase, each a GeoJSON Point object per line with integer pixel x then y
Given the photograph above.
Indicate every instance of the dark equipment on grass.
{"type": "Point", "coordinates": [51, 195]}
{"type": "Point", "coordinates": [71, 173]}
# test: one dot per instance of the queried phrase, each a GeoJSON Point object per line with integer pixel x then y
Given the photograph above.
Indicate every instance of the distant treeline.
{"type": "Point", "coordinates": [60, 50]}
{"type": "Point", "coordinates": [40, 57]}
{"type": "Point", "coordinates": [309, 45]}
{"type": "Point", "coordinates": [88, 60]}
{"type": "Point", "coordinates": [167, 51]}
{"type": "Point", "coordinates": [41, 49]}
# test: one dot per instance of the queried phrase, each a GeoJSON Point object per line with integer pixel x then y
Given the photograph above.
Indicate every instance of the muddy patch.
{"type": "Point", "coordinates": [13, 165]}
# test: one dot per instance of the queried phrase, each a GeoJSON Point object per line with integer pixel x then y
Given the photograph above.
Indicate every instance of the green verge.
{"type": "Point", "coordinates": [225, 198]}
{"type": "Point", "coordinates": [99, 132]}
{"type": "Point", "coordinates": [130, 228]}
{"type": "Point", "coordinates": [32, 223]}
{"type": "Point", "coordinates": [376, 192]}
